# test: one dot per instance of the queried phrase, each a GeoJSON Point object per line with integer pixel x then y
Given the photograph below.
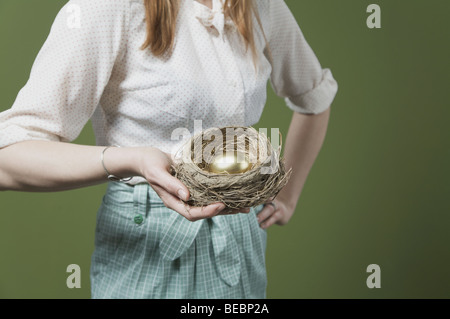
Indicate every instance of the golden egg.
{"type": "Point", "coordinates": [233, 163]}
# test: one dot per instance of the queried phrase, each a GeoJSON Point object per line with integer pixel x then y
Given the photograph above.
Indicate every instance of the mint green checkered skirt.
{"type": "Point", "coordinates": [146, 250]}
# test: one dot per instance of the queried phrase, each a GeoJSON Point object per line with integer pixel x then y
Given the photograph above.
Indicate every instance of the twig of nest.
{"type": "Point", "coordinates": [234, 165]}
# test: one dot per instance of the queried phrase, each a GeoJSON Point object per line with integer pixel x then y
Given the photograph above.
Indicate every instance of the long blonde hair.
{"type": "Point", "coordinates": [161, 16]}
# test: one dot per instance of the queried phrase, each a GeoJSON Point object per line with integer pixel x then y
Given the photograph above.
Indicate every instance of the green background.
{"type": "Point", "coordinates": [378, 192]}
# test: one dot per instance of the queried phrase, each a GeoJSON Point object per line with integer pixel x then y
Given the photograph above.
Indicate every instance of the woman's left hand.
{"type": "Point", "coordinates": [275, 212]}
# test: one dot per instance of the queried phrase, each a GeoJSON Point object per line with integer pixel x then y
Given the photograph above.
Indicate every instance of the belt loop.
{"type": "Point", "coordinates": [140, 200]}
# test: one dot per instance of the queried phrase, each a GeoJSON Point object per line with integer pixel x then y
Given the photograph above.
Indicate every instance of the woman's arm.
{"type": "Point", "coordinates": [55, 166]}
{"type": "Point", "coordinates": [308, 90]}
{"type": "Point", "coordinates": [303, 143]}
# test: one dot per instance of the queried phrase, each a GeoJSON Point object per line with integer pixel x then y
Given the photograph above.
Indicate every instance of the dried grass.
{"type": "Point", "coordinates": [258, 185]}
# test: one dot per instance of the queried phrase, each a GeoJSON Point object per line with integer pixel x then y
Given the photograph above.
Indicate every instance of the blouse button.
{"type": "Point", "coordinates": [138, 219]}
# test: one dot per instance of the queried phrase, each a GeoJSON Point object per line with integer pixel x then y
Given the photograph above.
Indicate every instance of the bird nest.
{"type": "Point", "coordinates": [255, 174]}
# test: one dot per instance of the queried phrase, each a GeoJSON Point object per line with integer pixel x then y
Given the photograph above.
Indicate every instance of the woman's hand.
{"type": "Point", "coordinates": [155, 166]}
{"type": "Point", "coordinates": [303, 142]}
{"type": "Point", "coordinates": [279, 212]}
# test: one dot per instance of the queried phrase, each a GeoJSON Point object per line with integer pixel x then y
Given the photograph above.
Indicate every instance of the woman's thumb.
{"type": "Point", "coordinates": [173, 185]}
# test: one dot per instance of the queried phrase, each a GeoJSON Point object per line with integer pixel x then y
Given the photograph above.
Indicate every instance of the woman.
{"type": "Point", "coordinates": [140, 69]}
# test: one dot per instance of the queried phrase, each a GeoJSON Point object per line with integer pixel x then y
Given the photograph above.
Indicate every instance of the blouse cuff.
{"type": "Point", "coordinates": [316, 100]}
{"type": "Point", "coordinates": [13, 134]}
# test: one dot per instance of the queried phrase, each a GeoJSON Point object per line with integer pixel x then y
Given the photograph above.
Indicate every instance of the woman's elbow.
{"type": "Point", "coordinates": [6, 182]}
{"type": "Point", "coordinates": [6, 179]}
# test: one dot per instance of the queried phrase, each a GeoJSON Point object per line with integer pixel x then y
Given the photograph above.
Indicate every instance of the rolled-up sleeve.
{"type": "Point", "coordinates": [297, 74]}
{"type": "Point", "coordinates": [69, 74]}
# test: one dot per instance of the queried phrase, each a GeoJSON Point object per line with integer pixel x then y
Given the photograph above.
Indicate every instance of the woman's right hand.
{"type": "Point", "coordinates": [155, 165]}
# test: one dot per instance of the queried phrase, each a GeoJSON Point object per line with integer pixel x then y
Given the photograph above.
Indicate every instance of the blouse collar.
{"type": "Point", "coordinates": [213, 19]}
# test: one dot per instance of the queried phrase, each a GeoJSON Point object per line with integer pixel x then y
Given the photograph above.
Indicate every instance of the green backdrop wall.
{"type": "Point", "coordinates": [378, 193]}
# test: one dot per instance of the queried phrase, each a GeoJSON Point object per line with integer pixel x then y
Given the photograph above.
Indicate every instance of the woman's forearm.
{"type": "Point", "coordinates": [302, 145]}
{"type": "Point", "coordinates": [55, 166]}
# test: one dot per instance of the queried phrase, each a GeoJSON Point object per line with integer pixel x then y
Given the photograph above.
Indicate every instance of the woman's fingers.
{"type": "Point", "coordinates": [155, 167]}
{"type": "Point", "coordinates": [189, 212]}
{"type": "Point", "coordinates": [267, 216]}
{"type": "Point", "coordinates": [194, 213]}
{"type": "Point", "coordinates": [232, 211]}
{"type": "Point", "coordinates": [171, 184]}
{"type": "Point", "coordinates": [273, 219]}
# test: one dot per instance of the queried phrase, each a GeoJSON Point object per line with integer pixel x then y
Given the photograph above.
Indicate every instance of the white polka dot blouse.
{"type": "Point", "coordinates": [91, 67]}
